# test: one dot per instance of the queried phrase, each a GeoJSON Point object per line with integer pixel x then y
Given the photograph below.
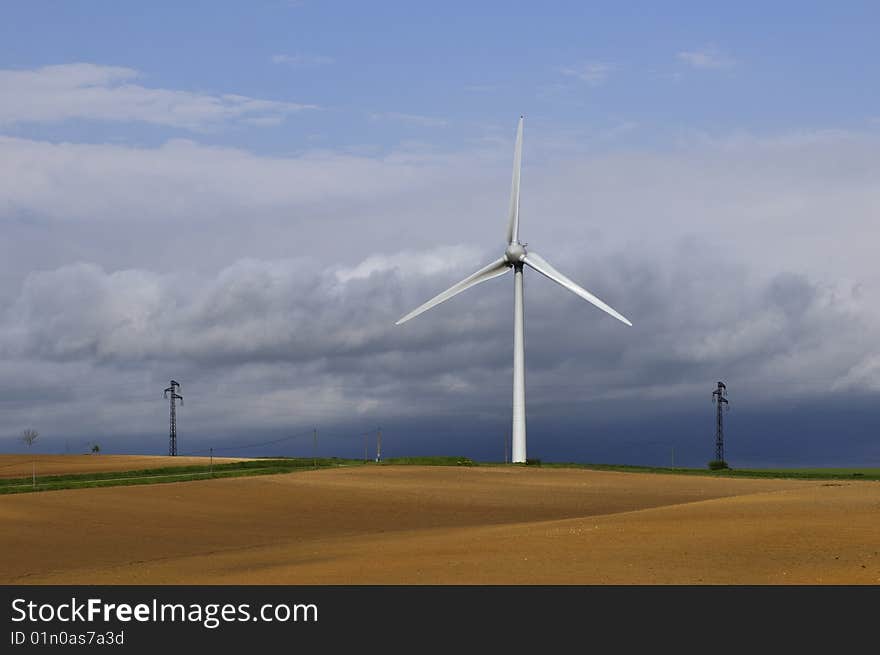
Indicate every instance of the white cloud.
{"type": "Point", "coordinates": [593, 73]}
{"type": "Point", "coordinates": [107, 93]}
{"type": "Point", "coordinates": [863, 375]}
{"type": "Point", "coordinates": [432, 262]}
{"type": "Point", "coordinates": [185, 180]}
{"type": "Point", "coordinates": [302, 60]}
{"type": "Point", "coordinates": [706, 58]}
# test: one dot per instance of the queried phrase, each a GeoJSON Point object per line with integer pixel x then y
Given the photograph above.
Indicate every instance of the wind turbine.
{"type": "Point", "coordinates": [515, 256]}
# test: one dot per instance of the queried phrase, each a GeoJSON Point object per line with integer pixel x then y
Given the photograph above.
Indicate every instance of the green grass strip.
{"type": "Point", "coordinates": [274, 466]}
{"type": "Point", "coordinates": [170, 474]}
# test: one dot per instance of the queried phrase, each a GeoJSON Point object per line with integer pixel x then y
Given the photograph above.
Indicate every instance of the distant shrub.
{"type": "Point", "coordinates": [533, 462]}
{"type": "Point", "coordinates": [718, 464]}
{"type": "Point", "coordinates": [441, 460]}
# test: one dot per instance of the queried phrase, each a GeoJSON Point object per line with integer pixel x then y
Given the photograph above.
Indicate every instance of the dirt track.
{"type": "Point", "coordinates": [19, 466]}
{"type": "Point", "coordinates": [440, 525]}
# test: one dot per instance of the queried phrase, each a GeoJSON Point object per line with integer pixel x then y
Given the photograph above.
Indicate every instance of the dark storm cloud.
{"type": "Point", "coordinates": [325, 344]}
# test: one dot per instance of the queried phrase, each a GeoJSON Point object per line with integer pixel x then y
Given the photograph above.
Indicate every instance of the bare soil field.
{"type": "Point", "coordinates": [447, 525]}
{"type": "Point", "coordinates": [19, 466]}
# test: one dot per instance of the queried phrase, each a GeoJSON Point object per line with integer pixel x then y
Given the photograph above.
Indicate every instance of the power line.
{"type": "Point", "coordinates": [348, 436]}
{"type": "Point", "coordinates": [253, 445]}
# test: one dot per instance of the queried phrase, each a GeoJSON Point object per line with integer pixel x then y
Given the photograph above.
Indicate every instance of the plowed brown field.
{"type": "Point", "coordinates": [440, 525]}
{"type": "Point", "coordinates": [20, 466]}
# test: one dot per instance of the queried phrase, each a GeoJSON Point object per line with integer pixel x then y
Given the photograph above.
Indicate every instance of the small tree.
{"type": "Point", "coordinates": [96, 449]}
{"type": "Point", "coordinates": [29, 436]}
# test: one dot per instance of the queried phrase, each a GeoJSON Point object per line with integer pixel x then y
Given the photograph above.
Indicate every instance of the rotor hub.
{"type": "Point", "coordinates": [515, 254]}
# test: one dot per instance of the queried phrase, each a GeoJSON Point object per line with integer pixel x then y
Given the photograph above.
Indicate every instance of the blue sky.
{"type": "Point", "coordinates": [246, 196]}
{"type": "Point", "coordinates": [466, 67]}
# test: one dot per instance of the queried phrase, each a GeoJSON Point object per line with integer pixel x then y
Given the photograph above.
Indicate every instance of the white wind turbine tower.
{"type": "Point", "coordinates": [514, 257]}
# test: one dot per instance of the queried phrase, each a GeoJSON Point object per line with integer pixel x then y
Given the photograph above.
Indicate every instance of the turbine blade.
{"type": "Point", "coordinates": [496, 268]}
{"type": "Point", "coordinates": [513, 224]}
{"type": "Point", "coordinates": [542, 266]}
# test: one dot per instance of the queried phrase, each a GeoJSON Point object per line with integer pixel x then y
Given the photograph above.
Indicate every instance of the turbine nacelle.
{"type": "Point", "coordinates": [515, 254]}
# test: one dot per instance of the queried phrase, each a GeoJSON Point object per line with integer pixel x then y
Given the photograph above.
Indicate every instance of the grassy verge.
{"type": "Point", "coordinates": [272, 466]}
{"type": "Point", "coordinates": [170, 474]}
{"type": "Point", "coordinates": [803, 474]}
{"type": "Point", "coordinates": [437, 460]}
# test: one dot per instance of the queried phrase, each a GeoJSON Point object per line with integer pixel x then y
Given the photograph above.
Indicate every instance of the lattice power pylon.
{"type": "Point", "coordinates": [720, 400]}
{"type": "Point", "coordinates": [172, 434]}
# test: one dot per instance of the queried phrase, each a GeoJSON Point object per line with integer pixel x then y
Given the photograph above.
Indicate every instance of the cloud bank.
{"type": "Point", "coordinates": [108, 93]}
{"type": "Point", "coordinates": [269, 286]}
